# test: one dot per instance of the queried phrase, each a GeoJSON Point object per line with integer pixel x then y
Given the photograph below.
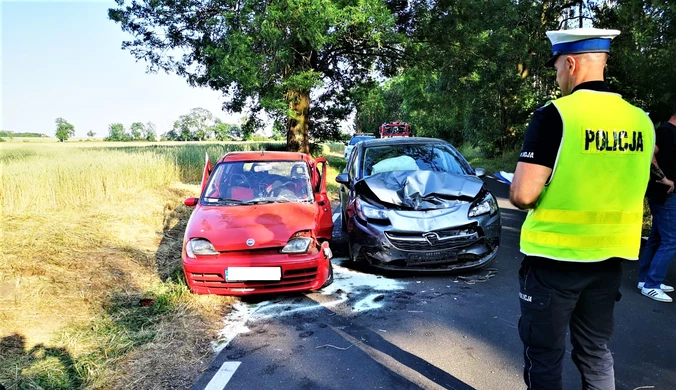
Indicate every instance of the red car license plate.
{"type": "Point", "coordinates": [243, 274]}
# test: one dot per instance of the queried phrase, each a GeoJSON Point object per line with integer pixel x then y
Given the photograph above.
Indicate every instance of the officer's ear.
{"type": "Point", "coordinates": [571, 64]}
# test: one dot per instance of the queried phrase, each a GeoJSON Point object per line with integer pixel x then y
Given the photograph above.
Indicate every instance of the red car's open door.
{"type": "Point", "coordinates": [325, 217]}
{"type": "Point", "coordinates": [206, 173]}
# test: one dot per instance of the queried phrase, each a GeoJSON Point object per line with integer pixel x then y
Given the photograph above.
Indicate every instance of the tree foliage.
{"type": "Point", "coordinates": [137, 130]}
{"type": "Point", "coordinates": [150, 132]}
{"type": "Point", "coordinates": [116, 132]}
{"type": "Point", "coordinates": [226, 131]}
{"type": "Point", "coordinates": [194, 126]}
{"type": "Point", "coordinates": [643, 57]}
{"type": "Point", "coordinates": [64, 130]}
{"type": "Point", "coordinates": [295, 59]}
{"type": "Point", "coordinates": [468, 71]}
{"type": "Point", "coordinates": [480, 71]}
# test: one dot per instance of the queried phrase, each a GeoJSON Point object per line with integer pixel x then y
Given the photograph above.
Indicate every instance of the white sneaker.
{"type": "Point", "coordinates": [663, 287]}
{"type": "Point", "coordinates": [656, 294]}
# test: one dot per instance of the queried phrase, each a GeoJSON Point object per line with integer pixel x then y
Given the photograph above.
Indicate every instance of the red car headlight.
{"type": "Point", "coordinates": [200, 246]}
{"type": "Point", "coordinates": [297, 245]}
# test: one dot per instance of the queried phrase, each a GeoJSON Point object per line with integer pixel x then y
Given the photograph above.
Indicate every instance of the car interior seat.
{"type": "Point", "coordinates": [299, 178]}
{"type": "Point", "coordinates": [238, 188]}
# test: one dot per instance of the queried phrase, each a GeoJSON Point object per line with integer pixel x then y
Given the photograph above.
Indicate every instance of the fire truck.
{"type": "Point", "coordinates": [395, 129]}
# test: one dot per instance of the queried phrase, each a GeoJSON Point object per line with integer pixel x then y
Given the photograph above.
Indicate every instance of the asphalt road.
{"type": "Point", "coordinates": [394, 331]}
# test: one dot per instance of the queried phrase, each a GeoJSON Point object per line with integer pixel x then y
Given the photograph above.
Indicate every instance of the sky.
{"type": "Point", "coordinates": [64, 60]}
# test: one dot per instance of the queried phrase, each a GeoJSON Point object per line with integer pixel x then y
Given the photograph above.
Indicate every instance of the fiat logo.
{"type": "Point", "coordinates": [250, 242]}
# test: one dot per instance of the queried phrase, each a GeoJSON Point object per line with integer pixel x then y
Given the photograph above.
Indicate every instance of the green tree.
{"type": "Point", "coordinates": [64, 130]}
{"type": "Point", "coordinates": [278, 131]}
{"type": "Point", "coordinates": [641, 67]}
{"type": "Point", "coordinates": [196, 125]}
{"type": "Point", "coordinates": [137, 131]}
{"type": "Point", "coordinates": [171, 135]}
{"type": "Point", "coordinates": [226, 131]}
{"type": "Point", "coordinates": [91, 134]}
{"type": "Point", "coordinates": [296, 60]}
{"type": "Point", "coordinates": [116, 132]}
{"type": "Point", "coordinates": [150, 132]}
{"type": "Point", "coordinates": [480, 71]}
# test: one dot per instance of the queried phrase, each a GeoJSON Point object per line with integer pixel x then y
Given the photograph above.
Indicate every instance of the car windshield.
{"type": "Point", "coordinates": [356, 139]}
{"type": "Point", "coordinates": [403, 157]}
{"type": "Point", "coordinates": [256, 182]}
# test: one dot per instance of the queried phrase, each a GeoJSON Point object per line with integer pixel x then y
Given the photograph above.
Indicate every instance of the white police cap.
{"type": "Point", "coordinates": [580, 40]}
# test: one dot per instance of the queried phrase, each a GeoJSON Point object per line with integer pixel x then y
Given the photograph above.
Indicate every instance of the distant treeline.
{"type": "Point", "coordinates": [7, 133]}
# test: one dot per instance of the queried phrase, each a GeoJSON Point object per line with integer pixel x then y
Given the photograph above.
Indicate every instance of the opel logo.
{"type": "Point", "coordinates": [250, 242]}
{"type": "Point", "coordinates": [431, 237]}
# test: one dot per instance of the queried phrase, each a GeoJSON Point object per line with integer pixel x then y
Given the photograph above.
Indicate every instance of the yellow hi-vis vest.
{"type": "Point", "coordinates": [592, 208]}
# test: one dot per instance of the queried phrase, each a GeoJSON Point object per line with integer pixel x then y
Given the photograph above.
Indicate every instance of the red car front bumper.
{"type": "Point", "coordinates": [303, 272]}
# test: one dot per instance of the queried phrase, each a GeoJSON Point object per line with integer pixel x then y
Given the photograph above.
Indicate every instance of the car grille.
{"type": "Point", "coordinates": [290, 278]}
{"type": "Point", "coordinates": [436, 240]}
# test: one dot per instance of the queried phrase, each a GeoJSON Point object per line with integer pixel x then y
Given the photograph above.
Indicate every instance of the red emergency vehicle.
{"type": "Point", "coordinates": [395, 129]}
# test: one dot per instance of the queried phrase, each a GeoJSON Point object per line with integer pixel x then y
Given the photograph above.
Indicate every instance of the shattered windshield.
{"type": "Point", "coordinates": [402, 157]}
{"type": "Point", "coordinates": [258, 182]}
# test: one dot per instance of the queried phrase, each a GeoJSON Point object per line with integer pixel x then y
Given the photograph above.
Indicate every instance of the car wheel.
{"type": "Point", "coordinates": [329, 280]}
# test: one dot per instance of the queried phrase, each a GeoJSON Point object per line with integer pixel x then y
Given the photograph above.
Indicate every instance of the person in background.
{"type": "Point", "coordinates": [582, 174]}
{"type": "Point", "coordinates": [660, 249]}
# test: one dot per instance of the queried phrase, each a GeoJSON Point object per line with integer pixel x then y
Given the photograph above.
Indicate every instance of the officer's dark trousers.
{"type": "Point", "coordinates": [555, 295]}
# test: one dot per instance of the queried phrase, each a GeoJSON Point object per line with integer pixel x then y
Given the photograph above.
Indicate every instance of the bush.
{"type": "Point", "coordinates": [336, 147]}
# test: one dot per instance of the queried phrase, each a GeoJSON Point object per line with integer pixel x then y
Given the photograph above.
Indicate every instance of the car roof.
{"type": "Point", "coordinates": [264, 156]}
{"type": "Point", "coordinates": [402, 141]}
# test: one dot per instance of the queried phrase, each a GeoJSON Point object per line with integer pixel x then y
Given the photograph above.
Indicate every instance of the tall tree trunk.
{"type": "Point", "coordinates": [297, 139]}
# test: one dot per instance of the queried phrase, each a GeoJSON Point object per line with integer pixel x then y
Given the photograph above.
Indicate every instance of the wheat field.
{"type": "Point", "coordinates": [89, 229]}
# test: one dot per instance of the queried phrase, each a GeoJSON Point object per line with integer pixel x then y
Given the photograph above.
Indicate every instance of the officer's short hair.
{"type": "Point", "coordinates": [673, 110]}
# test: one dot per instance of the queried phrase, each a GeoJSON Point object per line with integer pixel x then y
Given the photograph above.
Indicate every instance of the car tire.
{"type": "Point", "coordinates": [329, 280]}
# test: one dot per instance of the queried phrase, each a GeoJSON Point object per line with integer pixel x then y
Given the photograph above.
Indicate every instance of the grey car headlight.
{"type": "Point", "coordinates": [200, 246]}
{"type": "Point", "coordinates": [297, 245]}
{"type": "Point", "coordinates": [488, 205]}
{"type": "Point", "coordinates": [366, 211]}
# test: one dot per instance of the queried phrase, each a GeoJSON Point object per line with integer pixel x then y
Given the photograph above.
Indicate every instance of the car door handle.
{"type": "Point", "coordinates": [321, 203]}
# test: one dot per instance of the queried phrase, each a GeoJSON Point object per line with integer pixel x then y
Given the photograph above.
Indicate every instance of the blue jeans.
{"type": "Point", "coordinates": [660, 249]}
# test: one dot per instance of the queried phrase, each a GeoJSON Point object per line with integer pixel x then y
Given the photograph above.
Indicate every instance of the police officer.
{"type": "Point", "coordinates": [582, 174]}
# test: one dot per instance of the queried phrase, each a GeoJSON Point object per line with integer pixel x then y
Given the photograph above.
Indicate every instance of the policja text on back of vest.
{"type": "Point", "coordinates": [619, 141]}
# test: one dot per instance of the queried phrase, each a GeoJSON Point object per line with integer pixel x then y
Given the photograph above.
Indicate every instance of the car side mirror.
{"type": "Point", "coordinates": [345, 142]}
{"type": "Point", "coordinates": [480, 172]}
{"type": "Point", "coordinates": [342, 178]}
{"type": "Point", "coordinates": [190, 201]}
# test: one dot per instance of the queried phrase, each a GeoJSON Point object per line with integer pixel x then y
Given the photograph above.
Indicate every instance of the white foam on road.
{"type": "Point", "coordinates": [369, 303]}
{"type": "Point", "coordinates": [235, 323]}
{"type": "Point", "coordinates": [271, 310]}
{"type": "Point", "coordinates": [349, 281]}
{"type": "Point", "coordinates": [348, 286]}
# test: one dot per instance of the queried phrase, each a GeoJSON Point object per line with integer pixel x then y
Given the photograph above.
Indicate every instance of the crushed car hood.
{"type": "Point", "coordinates": [420, 190]}
{"type": "Point", "coordinates": [269, 225]}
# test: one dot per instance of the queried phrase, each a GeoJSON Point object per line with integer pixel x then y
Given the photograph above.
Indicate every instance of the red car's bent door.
{"type": "Point", "coordinates": [324, 217]}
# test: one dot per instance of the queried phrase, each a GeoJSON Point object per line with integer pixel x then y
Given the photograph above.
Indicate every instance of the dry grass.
{"type": "Point", "coordinates": [89, 229]}
{"type": "Point", "coordinates": [85, 235]}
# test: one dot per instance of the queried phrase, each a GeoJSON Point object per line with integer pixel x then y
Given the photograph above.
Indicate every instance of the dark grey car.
{"type": "Point", "coordinates": [417, 204]}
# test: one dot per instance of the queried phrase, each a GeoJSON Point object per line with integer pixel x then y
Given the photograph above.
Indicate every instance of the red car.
{"type": "Point", "coordinates": [261, 225]}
